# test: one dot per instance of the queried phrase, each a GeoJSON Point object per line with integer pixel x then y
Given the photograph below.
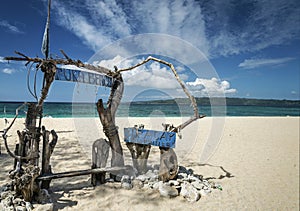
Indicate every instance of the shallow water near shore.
{"type": "Point", "coordinates": [67, 110]}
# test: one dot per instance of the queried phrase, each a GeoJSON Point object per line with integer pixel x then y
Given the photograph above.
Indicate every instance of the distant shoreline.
{"type": "Point", "coordinates": [203, 101]}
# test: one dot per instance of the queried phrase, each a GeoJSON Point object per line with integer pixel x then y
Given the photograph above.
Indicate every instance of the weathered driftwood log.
{"type": "Point", "coordinates": [49, 69]}
{"type": "Point", "coordinates": [25, 181]}
{"type": "Point", "coordinates": [22, 147]}
{"type": "Point", "coordinates": [66, 61]}
{"type": "Point", "coordinates": [100, 152]}
{"type": "Point", "coordinates": [107, 118]}
{"type": "Point", "coordinates": [32, 134]}
{"type": "Point", "coordinates": [168, 164]}
{"type": "Point", "coordinates": [113, 170]}
{"type": "Point", "coordinates": [48, 147]}
{"type": "Point", "coordinates": [139, 154]}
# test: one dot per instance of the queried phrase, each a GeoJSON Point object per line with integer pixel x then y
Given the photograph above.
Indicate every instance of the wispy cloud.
{"type": "Point", "coordinates": [257, 63]}
{"type": "Point", "coordinates": [210, 87]}
{"type": "Point", "coordinates": [79, 25]}
{"type": "Point", "coordinates": [247, 26]}
{"type": "Point", "coordinates": [8, 71]}
{"type": "Point", "coordinates": [11, 28]}
{"type": "Point", "coordinates": [99, 23]}
{"type": "Point", "coordinates": [215, 27]}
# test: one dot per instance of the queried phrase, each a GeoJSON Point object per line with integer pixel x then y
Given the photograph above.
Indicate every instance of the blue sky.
{"type": "Point", "coordinates": [251, 48]}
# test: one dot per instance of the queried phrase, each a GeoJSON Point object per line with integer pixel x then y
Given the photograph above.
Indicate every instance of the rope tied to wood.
{"type": "Point", "coordinates": [110, 130]}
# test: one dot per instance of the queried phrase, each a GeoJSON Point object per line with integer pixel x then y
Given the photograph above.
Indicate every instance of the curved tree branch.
{"type": "Point", "coordinates": [186, 91]}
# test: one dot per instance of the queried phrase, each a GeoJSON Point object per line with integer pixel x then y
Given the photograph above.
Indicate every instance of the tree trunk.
{"type": "Point", "coordinates": [139, 154]}
{"type": "Point", "coordinates": [107, 118]}
{"type": "Point", "coordinates": [48, 147]}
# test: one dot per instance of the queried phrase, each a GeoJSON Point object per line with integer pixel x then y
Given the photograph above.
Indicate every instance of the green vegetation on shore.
{"type": "Point", "coordinates": [205, 101]}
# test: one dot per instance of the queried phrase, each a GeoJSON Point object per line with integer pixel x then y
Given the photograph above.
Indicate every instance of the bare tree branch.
{"type": "Point", "coordinates": [186, 91]}
{"type": "Point", "coordinates": [66, 61]}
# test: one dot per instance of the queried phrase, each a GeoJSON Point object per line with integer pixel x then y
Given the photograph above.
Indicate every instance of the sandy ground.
{"type": "Point", "coordinates": [262, 154]}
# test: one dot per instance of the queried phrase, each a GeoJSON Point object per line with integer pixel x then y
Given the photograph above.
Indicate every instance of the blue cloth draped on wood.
{"type": "Point", "coordinates": [150, 137]}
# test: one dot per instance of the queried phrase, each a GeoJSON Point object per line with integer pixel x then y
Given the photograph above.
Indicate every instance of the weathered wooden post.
{"type": "Point", "coordinates": [100, 152]}
{"type": "Point", "coordinates": [139, 154]}
{"type": "Point", "coordinates": [33, 133]}
{"type": "Point", "coordinates": [168, 168]}
{"type": "Point", "coordinates": [107, 118]}
{"type": "Point", "coordinates": [48, 147]}
{"type": "Point", "coordinates": [168, 164]}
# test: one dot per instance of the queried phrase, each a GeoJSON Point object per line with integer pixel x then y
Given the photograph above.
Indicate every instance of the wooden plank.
{"type": "Point", "coordinates": [83, 76]}
{"type": "Point", "coordinates": [150, 137]}
{"type": "Point", "coordinates": [81, 173]}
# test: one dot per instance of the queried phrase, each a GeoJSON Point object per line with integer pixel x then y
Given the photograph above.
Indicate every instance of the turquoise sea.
{"type": "Point", "coordinates": [63, 110]}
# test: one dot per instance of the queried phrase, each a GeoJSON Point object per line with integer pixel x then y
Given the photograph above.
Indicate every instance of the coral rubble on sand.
{"type": "Point", "coordinates": [187, 184]}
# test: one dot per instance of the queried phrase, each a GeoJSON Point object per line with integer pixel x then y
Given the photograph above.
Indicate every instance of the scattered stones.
{"type": "Point", "coordinates": [174, 183]}
{"type": "Point", "coordinates": [157, 185]}
{"type": "Point", "coordinates": [189, 192]}
{"type": "Point", "coordinates": [21, 208]}
{"type": "Point", "coordinates": [152, 176]}
{"type": "Point", "coordinates": [187, 184]}
{"type": "Point", "coordinates": [137, 184]}
{"type": "Point", "coordinates": [182, 176]}
{"type": "Point", "coordinates": [126, 182]}
{"type": "Point", "coordinates": [10, 201]}
{"type": "Point", "coordinates": [198, 185]}
{"type": "Point", "coordinates": [142, 177]}
{"type": "Point", "coordinates": [28, 206]}
{"type": "Point", "coordinates": [167, 191]}
{"type": "Point", "coordinates": [5, 195]}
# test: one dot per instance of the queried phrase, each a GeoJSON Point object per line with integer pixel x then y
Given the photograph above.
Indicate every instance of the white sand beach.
{"type": "Point", "coordinates": [261, 154]}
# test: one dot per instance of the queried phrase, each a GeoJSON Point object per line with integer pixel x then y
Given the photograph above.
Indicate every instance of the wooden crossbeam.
{"type": "Point", "coordinates": [81, 173]}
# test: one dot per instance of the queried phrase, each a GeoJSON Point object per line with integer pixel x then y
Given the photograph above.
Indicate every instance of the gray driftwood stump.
{"type": "Point", "coordinates": [139, 154]}
{"type": "Point", "coordinates": [100, 152]}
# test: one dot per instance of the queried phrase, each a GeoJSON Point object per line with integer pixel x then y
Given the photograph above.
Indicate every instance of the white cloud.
{"type": "Point", "coordinates": [79, 25]}
{"type": "Point", "coordinates": [150, 75]}
{"type": "Point", "coordinates": [293, 92]}
{"type": "Point", "coordinates": [256, 63]}
{"type": "Point", "coordinates": [215, 27]}
{"type": "Point", "coordinates": [10, 27]}
{"type": "Point", "coordinates": [110, 13]}
{"type": "Point", "coordinates": [210, 87]}
{"type": "Point", "coordinates": [99, 23]}
{"type": "Point", "coordinates": [2, 60]}
{"type": "Point", "coordinates": [8, 71]}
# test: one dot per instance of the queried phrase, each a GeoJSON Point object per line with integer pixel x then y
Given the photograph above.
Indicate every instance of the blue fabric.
{"type": "Point", "coordinates": [150, 137]}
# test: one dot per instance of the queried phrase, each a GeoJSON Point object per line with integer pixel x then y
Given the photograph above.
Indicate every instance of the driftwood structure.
{"type": "Point", "coordinates": [28, 178]}
{"type": "Point", "coordinates": [27, 154]}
